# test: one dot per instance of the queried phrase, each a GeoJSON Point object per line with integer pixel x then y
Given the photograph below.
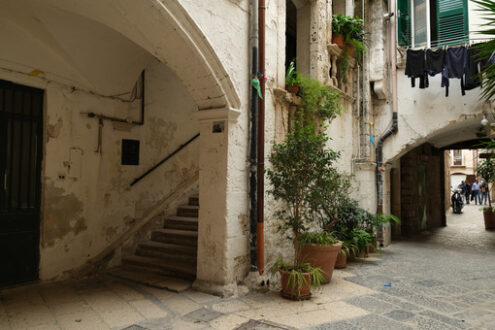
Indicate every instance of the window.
{"type": "Point", "coordinates": [432, 23]}
{"type": "Point", "coordinates": [457, 157]}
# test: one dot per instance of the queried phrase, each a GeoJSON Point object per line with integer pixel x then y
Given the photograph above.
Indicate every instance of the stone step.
{"type": "Point", "coordinates": [181, 223]}
{"type": "Point", "coordinates": [188, 211]}
{"type": "Point", "coordinates": [194, 200]}
{"type": "Point", "coordinates": [152, 279]}
{"type": "Point", "coordinates": [166, 247]}
{"type": "Point", "coordinates": [159, 266]}
{"type": "Point", "coordinates": [167, 252]}
{"type": "Point", "coordinates": [175, 236]}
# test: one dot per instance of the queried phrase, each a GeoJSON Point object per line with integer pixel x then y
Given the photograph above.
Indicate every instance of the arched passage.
{"type": "Point", "coordinates": [419, 177]}
{"type": "Point", "coordinates": [87, 57]}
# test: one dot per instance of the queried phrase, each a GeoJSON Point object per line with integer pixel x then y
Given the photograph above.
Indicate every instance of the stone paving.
{"type": "Point", "coordinates": [442, 280]}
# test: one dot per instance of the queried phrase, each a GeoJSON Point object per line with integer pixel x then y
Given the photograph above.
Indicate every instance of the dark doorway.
{"type": "Point", "coordinates": [290, 33]}
{"type": "Point", "coordinates": [20, 168]}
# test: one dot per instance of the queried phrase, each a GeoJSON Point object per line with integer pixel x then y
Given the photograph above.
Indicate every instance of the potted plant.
{"type": "Point", "coordinates": [292, 175]}
{"type": "Point", "coordinates": [487, 172]}
{"type": "Point", "coordinates": [297, 280]}
{"type": "Point", "coordinates": [292, 80]}
{"type": "Point", "coordinates": [348, 33]}
{"type": "Point", "coordinates": [320, 250]}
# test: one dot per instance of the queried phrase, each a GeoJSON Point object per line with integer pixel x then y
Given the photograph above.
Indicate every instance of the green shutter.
{"type": "Point", "coordinates": [404, 22]}
{"type": "Point", "coordinates": [452, 21]}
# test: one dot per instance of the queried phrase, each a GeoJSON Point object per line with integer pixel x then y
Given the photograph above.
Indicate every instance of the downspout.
{"type": "Point", "coordinates": [394, 126]}
{"type": "Point", "coordinates": [261, 138]}
{"type": "Point", "coordinates": [253, 143]}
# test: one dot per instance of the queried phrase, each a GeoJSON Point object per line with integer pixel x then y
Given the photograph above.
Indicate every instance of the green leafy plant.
{"type": "Point", "coordinates": [292, 75]}
{"type": "Point", "coordinates": [487, 49]}
{"type": "Point", "coordinates": [318, 100]}
{"type": "Point", "coordinates": [323, 238]}
{"type": "Point", "coordinates": [361, 239]}
{"type": "Point", "coordinates": [353, 30]}
{"type": "Point", "coordinates": [487, 171]}
{"type": "Point", "coordinates": [296, 275]}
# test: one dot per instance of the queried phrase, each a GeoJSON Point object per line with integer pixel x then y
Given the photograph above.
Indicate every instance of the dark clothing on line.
{"type": "Point", "coordinates": [435, 61]}
{"type": "Point", "coordinates": [472, 69]}
{"type": "Point", "coordinates": [416, 67]}
{"type": "Point", "coordinates": [455, 64]}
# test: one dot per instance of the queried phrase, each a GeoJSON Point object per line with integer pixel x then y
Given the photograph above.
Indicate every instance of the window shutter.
{"type": "Point", "coordinates": [404, 22]}
{"type": "Point", "coordinates": [452, 21]}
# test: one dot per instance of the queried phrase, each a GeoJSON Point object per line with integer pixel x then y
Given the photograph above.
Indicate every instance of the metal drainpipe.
{"type": "Point", "coordinates": [261, 138]}
{"type": "Point", "coordinates": [253, 41]}
{"type": "Point", "coordinates": [394, 126]}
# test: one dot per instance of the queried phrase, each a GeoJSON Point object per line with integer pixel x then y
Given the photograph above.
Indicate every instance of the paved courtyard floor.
{"type": "Point", "coordinates": [441, 280]}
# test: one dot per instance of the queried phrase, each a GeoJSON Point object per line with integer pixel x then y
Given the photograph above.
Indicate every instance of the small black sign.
{"type": "Point", "coordinates": [130, 152]}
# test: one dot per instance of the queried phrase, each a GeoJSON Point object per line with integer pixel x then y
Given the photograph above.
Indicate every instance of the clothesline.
{"type": "Point", "coordinates": [462, 40]}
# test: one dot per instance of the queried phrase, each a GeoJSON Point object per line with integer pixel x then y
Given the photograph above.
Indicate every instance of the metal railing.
{"type": "Point", "coordinates": [154, 167]}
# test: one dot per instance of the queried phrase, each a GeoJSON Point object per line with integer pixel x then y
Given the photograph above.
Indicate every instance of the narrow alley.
{"type": "Point", "coordinates": [442, 280]}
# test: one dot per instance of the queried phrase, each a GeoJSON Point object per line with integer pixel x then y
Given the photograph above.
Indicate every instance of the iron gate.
{"type": "Point", "coordinates": [21, 114]}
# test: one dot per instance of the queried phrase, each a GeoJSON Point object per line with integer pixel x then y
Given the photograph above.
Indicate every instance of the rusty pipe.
{"type": "Point", "coordinates": [261, 138]}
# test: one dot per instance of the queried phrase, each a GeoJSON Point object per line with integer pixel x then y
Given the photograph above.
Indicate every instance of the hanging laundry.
{"type": "Point", "coordinates": [455, 64]}
{"type": "Point", "coordinates": [473, 63]}
{"type": "Point", "coordinates": [435, 61]}
{"type": "Point", "coordinates": [416, 67]}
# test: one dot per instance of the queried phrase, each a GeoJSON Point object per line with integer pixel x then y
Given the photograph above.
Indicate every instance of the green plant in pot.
{"type": "Point", "coordinates": [292, 78]}
{"type": "Point", "coordinates": [486, 170]}
{"type": "Point", "coordinates": [348, 33]}
{"type": "Point", "coordinates": [292, 174]}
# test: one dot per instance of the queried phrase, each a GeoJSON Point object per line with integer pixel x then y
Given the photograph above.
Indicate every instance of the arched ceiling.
{"type": "Point", "coordinates": [68, 48]}
{"type": "Point", "coordinates": [102, 45]}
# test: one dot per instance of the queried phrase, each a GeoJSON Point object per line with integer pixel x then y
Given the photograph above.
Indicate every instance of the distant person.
{"type": "Point", "coordinates": [467, 191]}
{"type": "Point", "coordinates": [484, 193]}
{"type": "Point", "coordinates": [475, 192]}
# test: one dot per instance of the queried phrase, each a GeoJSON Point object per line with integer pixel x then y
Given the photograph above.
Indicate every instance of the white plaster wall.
{"type": "Point", "coordinates": [476, 21]}
{"type": "Point", "coordinates": [88, 210]}
{"type": "Point", "coordinates": [427, 115]}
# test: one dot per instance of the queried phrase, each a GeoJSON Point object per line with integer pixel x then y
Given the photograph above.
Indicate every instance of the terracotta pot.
{"type": "Point", "coordinates": [489, 217]}
{"type": "Point", "coordinates": [338, 39]}
{"type": "Point", "coordinates": [296, 293]}
{"type": "Point", "coordinates": [323, 256]}
{"type": "Point", "coordinates": [349, 49]}
{"type": "Point", "coordinates": [341, 261]}
{"type": "Point", "coordinates": [294, 89]}
{"type": "Point", "coordinates": [351, 256]}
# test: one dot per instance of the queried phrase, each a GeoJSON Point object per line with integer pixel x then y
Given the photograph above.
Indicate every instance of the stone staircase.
{"type": "Point", "coordinates": [171, 252]}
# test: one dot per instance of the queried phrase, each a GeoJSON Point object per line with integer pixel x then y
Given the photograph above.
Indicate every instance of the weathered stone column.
{"type": "Point", "coordinates": [216, 250]}
{"type": "Point", "coordinates": [312, 35]}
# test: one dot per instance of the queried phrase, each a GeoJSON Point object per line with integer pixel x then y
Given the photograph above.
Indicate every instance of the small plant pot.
{"type": "Point", "coordinates": [341, 261]}
{"type": "Point", "coordinates": [338, 39]}
{"type": "Point", "coordinates": [320, 255]}
{"type": "Point", "coordinates": [294, 89]}
{"type": "Point", "coordinates": [351, 256]}
{"type": "Point", "coordinates": [489, 218]}
{"type": "Point", "coordinates": [301, 291]}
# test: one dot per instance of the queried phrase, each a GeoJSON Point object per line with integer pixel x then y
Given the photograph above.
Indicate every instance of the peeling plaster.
{"type": "Point", "coordinates": [62, 215]}
{"type": "Point", "coordinates": [53, 131]}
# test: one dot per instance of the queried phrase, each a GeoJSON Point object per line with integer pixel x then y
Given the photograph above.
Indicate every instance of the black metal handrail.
{"type": "Point", "coordinates": [154, 167]}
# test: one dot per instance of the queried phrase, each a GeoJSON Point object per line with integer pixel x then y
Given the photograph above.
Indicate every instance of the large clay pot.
{"type": "Point", "coordinates": [489, 217]}
{"type": "Point", "coordinates": [341, 261]}
{"type": "Point", "coordinates": [338, 39]}
{"type": "Point", "coordinates": [318, 255]}
{"type": "Point", "coordinates": [295, 293]}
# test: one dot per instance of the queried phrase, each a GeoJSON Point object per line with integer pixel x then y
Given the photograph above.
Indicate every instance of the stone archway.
{"type": "Point", "coordinates": [166, 31]}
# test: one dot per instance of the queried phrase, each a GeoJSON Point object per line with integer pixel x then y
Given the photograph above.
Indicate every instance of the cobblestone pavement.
{"type": "Point", "coordinates": [443, 280]}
